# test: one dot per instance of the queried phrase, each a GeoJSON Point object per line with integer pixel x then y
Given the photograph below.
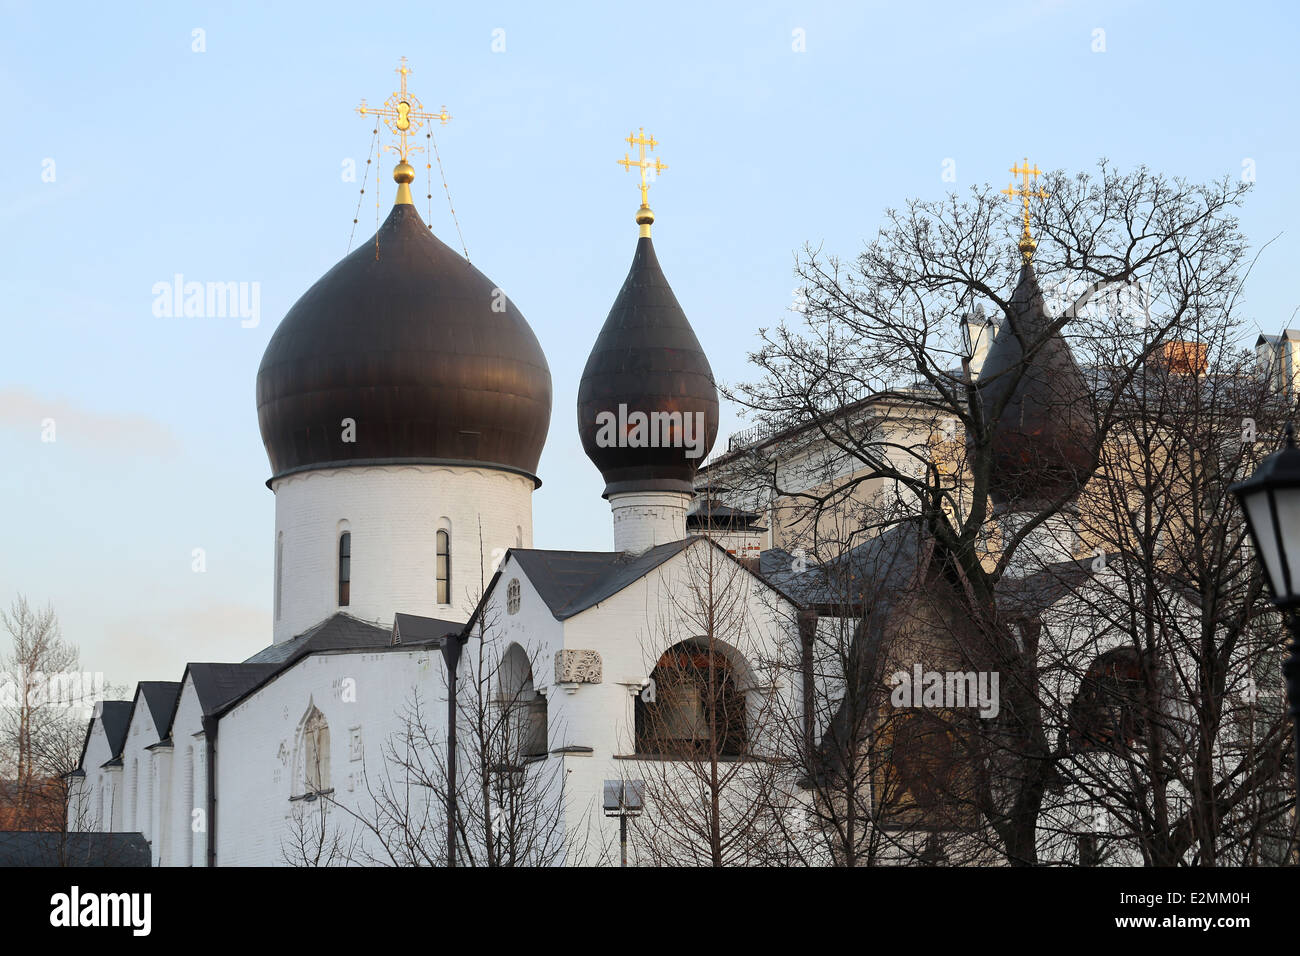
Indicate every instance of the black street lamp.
{"type": "Point", "coordinates": [1270, 499]}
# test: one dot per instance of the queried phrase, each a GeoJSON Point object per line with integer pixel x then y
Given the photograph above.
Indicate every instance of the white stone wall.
{"type": "Point", "coordinates": [100, 807]}
{"type": "Point", "coordinates": [146, 796]}
{"type": "Point", "coordinates": [644, 519]}
{"type": "Point", "coordinates": [393, 513]}
{"type": "Point", "coordinates": [188, 843]}
{"type": "Point", "coordinates": [259, 745]}
{"type": "Point", "coordinates": [630, 631]}
{"type": "Point", "coordinates": [260, 749]}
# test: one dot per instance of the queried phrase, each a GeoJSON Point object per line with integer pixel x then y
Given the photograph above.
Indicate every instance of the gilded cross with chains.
{"type": "Point", "coordinates": [403, 113]}
{"type": "Point", "coordinates": [642, 141]}
{"type": "Point", "coordinates": [1028, 188]}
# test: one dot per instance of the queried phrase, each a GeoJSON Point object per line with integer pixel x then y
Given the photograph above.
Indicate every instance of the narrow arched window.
{"type": "Point", "coordinates": [444, 567]}
{"type": "Point", "coordinates": [512, 596]}
{"type": "Point", "coordinates": [345, 569]}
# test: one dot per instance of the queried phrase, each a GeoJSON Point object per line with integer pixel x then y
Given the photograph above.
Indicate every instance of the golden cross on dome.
{"type": "Point", "coordinates": [1027, 190]}
{"type": "Point", "coordinates": [644, 216]}
{"type": "Point", "coordinates": [403, 113]}
{"type": "Point", "coordinates": [642, 163]}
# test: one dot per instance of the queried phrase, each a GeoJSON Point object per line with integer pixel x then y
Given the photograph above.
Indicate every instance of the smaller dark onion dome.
{"type": "Point", "coordinates": [1044, 439]}
{"type": "Point", "coordinates": [421, 350]}
{"type": "Point", "coordinates": [647, 360]}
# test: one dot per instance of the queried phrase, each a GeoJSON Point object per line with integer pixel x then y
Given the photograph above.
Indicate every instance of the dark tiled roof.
{"type": "Point", "coordinates": [219, 684]}
{"type": "Point", "coordinates": [339, 632]}
{"type": "Point", "coordinates": [414, 629]}
{"type": "Point", "coordinates": [36, 848]}
{"type": "Point", "coordinates": [114, 716]}
{"type": "Point", "coordinates": [866, 576]}
{"type": "Point", "coordinates": [572, 581]}
{"type": "Point", "coordinates": [160, 697]}
{"type": "Point", "coordinates": [1030, 595]}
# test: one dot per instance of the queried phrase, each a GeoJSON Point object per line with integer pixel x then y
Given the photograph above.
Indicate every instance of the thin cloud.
{"type": "Point", "coordinates": [80, 427]}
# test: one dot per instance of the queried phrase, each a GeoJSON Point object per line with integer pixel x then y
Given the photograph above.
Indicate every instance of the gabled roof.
{"type": "Point", "coordinates": [868, 575]}
{"type": "Point", "coordinates": [338, 632]}
{"type": "Point", "coordinates": [572, 581]}
{"type": "Point", "coordinates": [114, 716]}
{"type": "Point", "coordinates": [218, 684]}
{"type": "Point", "coordinates": [413, 629]}
{"type": "Point", "coordinates": [1030, 595]}
{"type": "Point", "coordinates": [1290, 335]}
{"type": "Point", "coordinates": [160, 697]}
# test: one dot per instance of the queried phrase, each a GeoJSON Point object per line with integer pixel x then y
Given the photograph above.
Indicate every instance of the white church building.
{"type": "Point", "coordinates": [404, 402]}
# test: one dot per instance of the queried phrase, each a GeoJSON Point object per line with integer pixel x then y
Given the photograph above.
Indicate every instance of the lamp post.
{"type": "Point", "coordinates": [623, 799]}
{"type": "Point", "coordinates": [1270, 499]}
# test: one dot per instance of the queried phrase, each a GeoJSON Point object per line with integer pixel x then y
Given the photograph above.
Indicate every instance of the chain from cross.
{"type": "Point", "coordinates": [642, 163]}
{"type": "Point", "coordinates": [1028, 188]}
{"type": "Point", "coordinates": [403, 114]}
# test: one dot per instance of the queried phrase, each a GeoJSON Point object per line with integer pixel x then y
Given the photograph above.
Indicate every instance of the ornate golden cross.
{"type": "Point", "coordinates": [642, 163]}
{"type": "Point", "coordinates": [403, 113]}
{"type": "Point", "coordinates": [1027, 189]}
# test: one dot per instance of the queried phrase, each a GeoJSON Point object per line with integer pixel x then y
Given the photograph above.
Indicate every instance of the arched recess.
{"type": "Point", "coordinates": [134, 805]}
{"type": "Point", "coordinates": [312, 758]}
{"type": "Point", "coordinates": [522, 708]}
{"type": "Point", "coordinates": [186, 809]}
{"type": "Point", "coordinates": [695, 702]}
{"type": "Point", "coordinates": [1109, 711]}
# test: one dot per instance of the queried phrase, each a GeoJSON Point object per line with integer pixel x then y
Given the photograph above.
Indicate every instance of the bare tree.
{"type": "Point", "coordinates": [706, 739]}
{"type": "Point", "coordinates": [509, 798]}
{"type": "Point", "coordinates": [886, 335]}
{"type": "Point", "coordinates": [1162, 676]}
{"type": "Point", "coordinates": [42, 720]}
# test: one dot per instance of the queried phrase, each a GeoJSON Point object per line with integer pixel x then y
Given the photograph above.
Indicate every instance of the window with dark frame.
{"type": "Point", "coordinates": [345, 568]}
{"type": "Point", "coordinates": [444, 567]}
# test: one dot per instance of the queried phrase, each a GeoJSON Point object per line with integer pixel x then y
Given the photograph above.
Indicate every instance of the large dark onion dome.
{"type": "Point", "coordinates": [419, 348]}
{"type": "Point", "coordinates": [1043, 440]}
{"type": "Point", "coordinates": [647, 358]}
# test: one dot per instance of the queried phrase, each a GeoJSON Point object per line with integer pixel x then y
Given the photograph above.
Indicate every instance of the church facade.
{"type": "Point", "coordinates": [404, 402]}
{"type": "Point", "coordinates": [439, 687]}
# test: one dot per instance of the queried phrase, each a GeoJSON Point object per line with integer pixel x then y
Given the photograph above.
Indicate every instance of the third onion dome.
{"type": "Point", "coordinates": [1036, 402]}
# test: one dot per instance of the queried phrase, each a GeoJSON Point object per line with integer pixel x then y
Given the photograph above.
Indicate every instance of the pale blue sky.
{"type": "Point", "coordinates": [226, 165]}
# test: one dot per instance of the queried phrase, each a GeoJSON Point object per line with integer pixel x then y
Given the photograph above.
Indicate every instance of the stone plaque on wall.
{"type": "Point", "coordinates": [577, 667]}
